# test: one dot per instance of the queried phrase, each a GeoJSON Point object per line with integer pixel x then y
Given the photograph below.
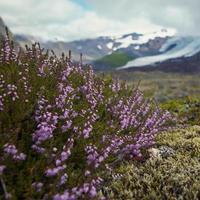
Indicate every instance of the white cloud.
{"type": "Point", "coordinates": [39, 17]}
{"type": "Point", "coordinates": [182, 15]}
{"type": "Point", "coordinates": [67, 20]}
{"type": "Point", "coordinates": [91, 25]}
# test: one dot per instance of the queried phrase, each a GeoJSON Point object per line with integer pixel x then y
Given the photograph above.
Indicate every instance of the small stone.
{"type": "Point", "coordinates": [166, 151]}
{"type": "Point", "coordinates": [154, 153]}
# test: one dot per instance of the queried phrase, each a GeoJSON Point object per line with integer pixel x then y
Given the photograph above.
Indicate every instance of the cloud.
{"type": "Point", "coordinates": [38, 18]}
{"type": "Point", "coordinates": [76, 19]}
{"type": "Point", "coordinates": [182, 15]}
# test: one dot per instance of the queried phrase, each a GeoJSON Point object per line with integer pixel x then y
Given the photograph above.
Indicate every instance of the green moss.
{"type": "Point", "coordinates": [186, 109]}
{"type": "Point", "coordinates": [174, 177]}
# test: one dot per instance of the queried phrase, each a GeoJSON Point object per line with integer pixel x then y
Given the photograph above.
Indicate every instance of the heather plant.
{"type": "Point", "coordinates": [63, 129]}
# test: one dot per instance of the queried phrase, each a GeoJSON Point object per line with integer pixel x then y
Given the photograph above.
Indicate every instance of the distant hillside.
{"type": "Point", "coordinates": [112, 61]}
{"type": "Point", "coordinates": [130, 51]}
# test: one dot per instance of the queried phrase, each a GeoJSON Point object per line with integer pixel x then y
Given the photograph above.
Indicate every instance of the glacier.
{"type": "Point", "coordinates": [182, 47]}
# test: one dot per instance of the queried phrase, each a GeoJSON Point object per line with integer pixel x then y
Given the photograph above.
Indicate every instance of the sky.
{"type": "Point", "coordinates": [78, 19]}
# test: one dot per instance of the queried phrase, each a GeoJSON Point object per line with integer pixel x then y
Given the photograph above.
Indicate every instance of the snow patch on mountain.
{"type": "Point", "coordinates": [137, 47]}
{"type": "Point", "coordinates": [110, 45]}
{"type": "Point", "coordinates": [99, 46]}
{"type": "Point", "coordinates": [144, 38]}
{"type": "Point", "coordinates": [125, 42]}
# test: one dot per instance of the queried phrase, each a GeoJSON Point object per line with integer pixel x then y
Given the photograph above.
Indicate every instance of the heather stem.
{"type": "Point", "coordinates": [4, 188]}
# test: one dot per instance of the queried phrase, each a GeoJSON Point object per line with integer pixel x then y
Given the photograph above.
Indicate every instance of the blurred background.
{"type": "Point", "coordinates": [155, 42]}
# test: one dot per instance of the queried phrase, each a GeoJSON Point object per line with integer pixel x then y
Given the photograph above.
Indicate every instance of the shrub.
{"type": "Point", "coordinates": [62, 128]}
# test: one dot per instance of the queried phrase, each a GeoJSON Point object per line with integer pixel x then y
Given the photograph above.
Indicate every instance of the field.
{"type": "Point", "coordinates": [163, 86]}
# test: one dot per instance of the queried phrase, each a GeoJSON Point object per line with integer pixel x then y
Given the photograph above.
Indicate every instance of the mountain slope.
{"type": "Point", "coordinates": [113, 60]}
{"type": "Point", "coordinates": [174, 48]}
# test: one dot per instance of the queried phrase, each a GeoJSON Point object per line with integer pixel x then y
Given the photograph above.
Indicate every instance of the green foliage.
{"type": "Point", "coordinates": [186, 109]}
{"type": "Point", "coordinates": [174, 177]}
{"type": "Point", "coordinates": [116, 59]}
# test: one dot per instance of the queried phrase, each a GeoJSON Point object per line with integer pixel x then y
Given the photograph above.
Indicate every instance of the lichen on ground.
{"type": "Point", "coordinates": [173, 177]}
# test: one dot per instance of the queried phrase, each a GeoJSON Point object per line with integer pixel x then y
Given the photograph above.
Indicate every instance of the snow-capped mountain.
{"type": "Point", "coordinates": [131, 46]}
{"type": "Point", "coordinates": [96, 48]}
{"type": "Point", "coordinates": [139, 39]}
{"type": "Point", "coordinates": [172, 49]}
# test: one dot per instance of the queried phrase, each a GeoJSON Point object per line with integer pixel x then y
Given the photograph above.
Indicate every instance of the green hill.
{"type": "Point", "coordinates": [116, 59]}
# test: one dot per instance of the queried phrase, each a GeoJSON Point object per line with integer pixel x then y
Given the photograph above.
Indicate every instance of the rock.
{"type": "Point", "coordinates": [162, 152]}
{"type": "Point", "coordinates": [154, 153]}
{"type": "Point", "coordinates": [166, 151]}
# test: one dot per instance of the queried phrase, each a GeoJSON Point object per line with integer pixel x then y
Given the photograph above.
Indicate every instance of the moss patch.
{"type": "Point", "coordinates": [175, 177]}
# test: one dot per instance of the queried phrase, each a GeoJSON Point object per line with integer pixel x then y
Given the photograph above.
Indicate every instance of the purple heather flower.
{"type": "Point", "coordinates": [12, 151]}
{"type": "Point", "coordinates": [38, 186]}
{"type": "Point", "coordinates": [63, 179]}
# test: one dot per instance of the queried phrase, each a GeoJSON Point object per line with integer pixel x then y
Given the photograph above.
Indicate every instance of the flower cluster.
{"type": "Point", "coordinates": [129, 110]}
{"type": "Point", "coordinates": [11, 150]}
{"type": "Point", "coordinates": [115, 86]}
{"type": "Point", "coordinates": [8, 91]}
{"type": "Point", "coordinates": [59, 163]}
{"type": "Point", "coordinates": [86, 190]}
{"type": "Point", "coordinates": [38, 186]}
{"type": "Point", "coordinates": [92, 92]}
{"type": "Point", "coordinates": [46, 124]}
{"type": "Point", "coordinates": [2, 95]}
{"type": "Point", "coordinates": [7, 53]}
{"type": "Point", "coordinates": [24, 79]}
{"type": "Point", "coordinates": [95, 159]}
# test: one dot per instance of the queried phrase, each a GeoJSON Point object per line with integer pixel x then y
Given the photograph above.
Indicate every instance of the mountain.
{"type": "Point", "coordinates": [130, 45]}
{"type": "Point", "coordinates": [91, 49]}
{"type": "Point", "coordinates": [176, 54]}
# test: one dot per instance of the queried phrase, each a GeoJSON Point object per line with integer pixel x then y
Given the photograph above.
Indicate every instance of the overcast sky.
{"type": "Point", "coordinates": [77, 19]}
